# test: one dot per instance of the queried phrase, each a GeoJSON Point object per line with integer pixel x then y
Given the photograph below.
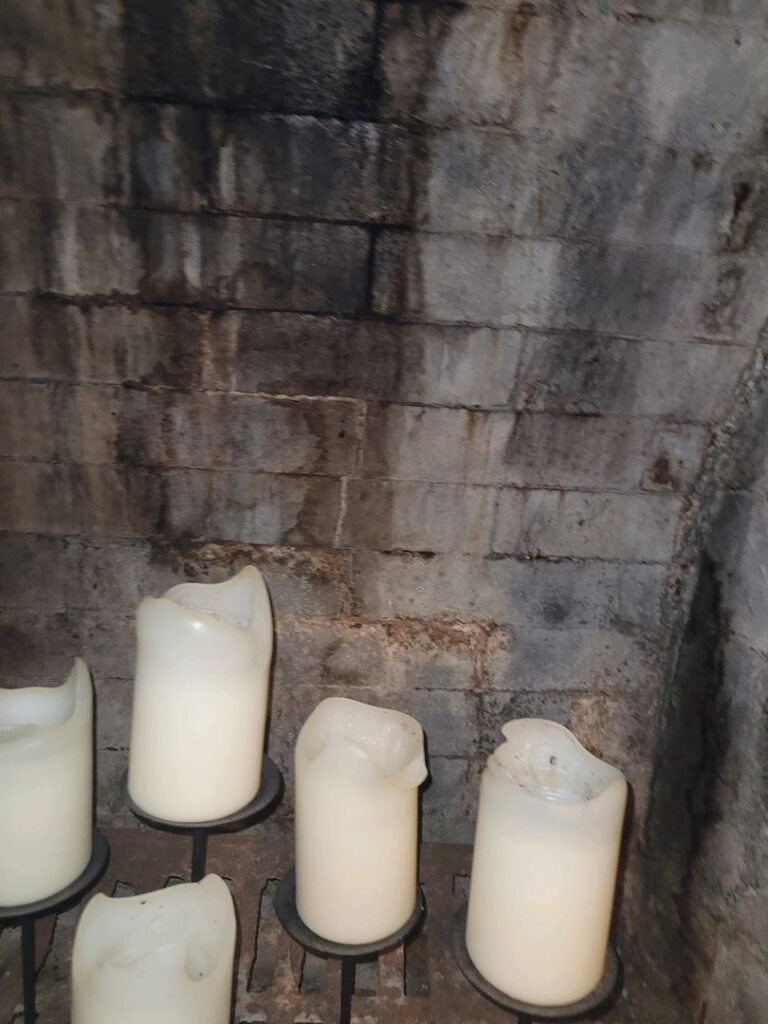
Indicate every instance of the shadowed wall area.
{"type": "Point", "coordinates": [447, 316]}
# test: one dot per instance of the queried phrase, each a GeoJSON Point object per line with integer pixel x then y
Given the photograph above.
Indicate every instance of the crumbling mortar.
{"type": "Point", "coordinates": [330, 564]}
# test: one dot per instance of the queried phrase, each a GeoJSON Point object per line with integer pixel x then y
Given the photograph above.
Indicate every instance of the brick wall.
{"type": "Point", "coordinates": [440, 313]}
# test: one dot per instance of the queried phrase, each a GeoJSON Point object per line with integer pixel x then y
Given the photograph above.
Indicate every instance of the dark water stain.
{"type": "Point", "coordinates": [720, 313]}
{"type": "Point", "coordinates": [749, 207]}
{"type": "Point", "coordinates": [55, 333]}
{"type": "Point", "coordinates": [693, 741]}
{"type": "Point", "coordinates": [635, 18]}
{"type": "Point", "coordinates": [162, 57]}
{"type": "Point", "coordinates": [661, 473]}
{"type": "Point", "coordinates": [516, 28]}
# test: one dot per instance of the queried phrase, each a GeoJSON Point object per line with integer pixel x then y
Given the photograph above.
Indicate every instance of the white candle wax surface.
{"type": "Point", "coordinates": [162, 958]}
{"type": "Point", "coordinates": [544, 865]}
{"type": "Point", "coordinates": [46, 787]}
{"type": "Point", "coordinates": [358, 769]}
{"type": "Point", "coordinates": [200, 698]}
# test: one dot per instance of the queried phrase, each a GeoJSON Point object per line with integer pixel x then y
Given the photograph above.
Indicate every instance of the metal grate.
{"type": "Point", "coordinates": [277, 983]}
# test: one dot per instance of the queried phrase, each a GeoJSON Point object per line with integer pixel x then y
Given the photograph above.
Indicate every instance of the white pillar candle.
{"type": "Point", "coordinates": [358, 769]}
{"type": "Point", "coordinates": [544, 865]}
{"type": "Point", "coordinates": [200, 698]}
{"type": "Point", "coordinates": [162, 958]}
{"type": "Point", "coordinates": [46, 787]}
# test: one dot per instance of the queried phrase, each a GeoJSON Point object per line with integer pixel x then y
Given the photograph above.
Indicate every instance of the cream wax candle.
{"type": "Point", "coordinates": [46, 787]}
{"type": "Point", "coordinates": [544, 865]}
{"type": "Point", "coordinates": [200, 698]}
{"type": "Point", "coordinates": [358, 769]}
{"type": "Point", "coordinates": [162, 958]}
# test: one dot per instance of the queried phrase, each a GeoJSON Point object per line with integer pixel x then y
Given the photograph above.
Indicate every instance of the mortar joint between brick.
{"type": "Point", "coordinates": [361, 429]}
{"type": "Point", "coordinates": [376, 226]}
{"type": "Point", "coordinates": [134, 301]}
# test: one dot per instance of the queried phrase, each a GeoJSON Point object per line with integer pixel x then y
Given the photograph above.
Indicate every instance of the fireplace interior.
{"type": "Point", "coordinates": [449, 316]}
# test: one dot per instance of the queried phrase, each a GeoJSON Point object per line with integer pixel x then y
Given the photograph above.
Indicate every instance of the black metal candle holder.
{"type": "Point", "coordinates": [26, 915]}
{"type": "Point", "coordinates": [267, 798]}
{"type": "Point", "coordinates": [349, 955]}
{"type": "Point", "coordinates": [527, 1013]}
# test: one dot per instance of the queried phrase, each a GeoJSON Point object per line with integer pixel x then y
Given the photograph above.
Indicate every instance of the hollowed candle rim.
{"type": "Point", "coordinates": [391, 740]}
{"type": "Point", "coordinates": [233, 601]}
{"type": "Point", "coordinates": [186, 927]}
{"type": "Point", "coordinates": [233, 609]}
{"type": "Point", "coordinates": [33, 715]}
{"type": "Point", "coordinates": [546, 763]}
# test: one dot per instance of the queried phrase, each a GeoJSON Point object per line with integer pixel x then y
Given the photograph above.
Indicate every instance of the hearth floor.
{"type": "Point", "coordinates": [276, 982]}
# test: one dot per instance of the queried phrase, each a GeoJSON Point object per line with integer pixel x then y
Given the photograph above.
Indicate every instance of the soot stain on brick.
{"type": "Point", "coordinates": [516, 27]}
{"type": "Point", "coordinates": [720, 313]}
{"type": "Point", "coordinates": [53, 333]}
{"type": "Point", "coordinates": [577, 374]}
{"type": "Point", "coordinates": [11, 144]}
{"type": "Point", "coordinates": [18, 649]}
{"type": "Point", "coordinates": [635, 18]}
{"type": "Point", "coordinates": [749, 208]}
{"type": "Point", "coordinates": [162, 57]}
{"type": "Point", "coordinates": [307, 523]}
{"type": "Point", "coordinates": [143, 158]}
{"type": "Point", "coordinates": [661, 473]}
{"type": "Point", "coordinates": [598, 176]}
{"type": "Point", "coordinates": [693, 741]}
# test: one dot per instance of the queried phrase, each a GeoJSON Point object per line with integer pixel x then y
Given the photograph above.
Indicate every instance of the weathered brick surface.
{"type": "Point", "coordinates": [94, 252]}
{"type": "Point", "coordinates": [445, 315]}
{"type": "Point", "coordinates": [167, 257]}
{"type": "Point", "coordinates": [37, 157]}
{"type": "Point", "coordinates": [508, 590]}
{"type": "Point", "coordinates": [530, 449]}
{"type": "Point", "coordinates": [21, 256]}
{"type": "Point", "coordinates": [486, 181]}
{"type": "Point", "coordinates": [573, 524]}
{"type": "Point", "coordinates": [431, 365]}
{"type": "Point", "coordinates": [167, 428]}
{"type": "Point", "coordinates": [302, 56]}
{"type": "Point", "coordinates": [748, 12]}
{"type": "Point", "coordinates": [465, 65]}
{"type": "Point", "coordinates": [601, 660]}
{"type": "Point", "coordinates": [524, 68]}
{"type": "Point", "coordinates": [76, 44]}
{"type": "Point", "coordinates": [582, 373]}
{"type": "Point", "coordinates": [393, 658]}
{"type": "Point", "coordinates": [92, 575]}
{"type": "Point", "coordinates": [458, 445]}
{"type": "Point", "coordinates": [305, 167]}
{"type": "Point", "coordinates": [615, 289]}
{"type": "Point", "coordinates": [385, 514]}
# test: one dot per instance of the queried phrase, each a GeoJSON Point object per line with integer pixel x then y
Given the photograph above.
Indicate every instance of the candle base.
{"type": "Point", "coordinates": [529, 1012]}
{"type": "Point", "coordinates": [288, 916]}
{"type": "Point", "coordinates": [25, 917]}
{"type": "Point", "coordinates": [267, 798]}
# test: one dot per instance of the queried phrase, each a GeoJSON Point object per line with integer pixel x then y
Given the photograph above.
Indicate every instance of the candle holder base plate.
{"type": "Point", "coordinates": [68, 896]}
{"type": "Point", "coordinates": [288, 916]}
{"type": "Point", "coordinates": [26, 914]}
{"type": "Point", "coordinates": [267, 798]}
{"type": "Point", "coordinates": [529, 1012]}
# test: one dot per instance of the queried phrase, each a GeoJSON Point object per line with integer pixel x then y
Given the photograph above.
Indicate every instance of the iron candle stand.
{"type": "Point", "coordinates": [527, 1013]}
{"type": "Point", "coordinates": [267, 798]}
{"type": "Point", "coordinates": [349, 955]}
{"type": "Point", "coordinates": [26, 915]}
